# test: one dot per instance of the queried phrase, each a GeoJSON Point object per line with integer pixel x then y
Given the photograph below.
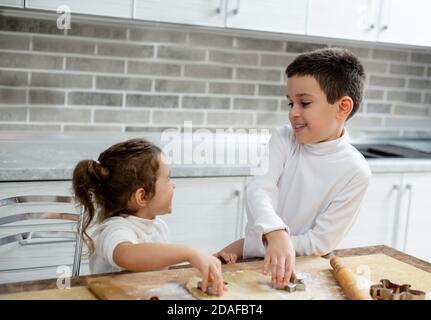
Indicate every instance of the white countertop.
{"type": "Point", "coordinates": [43, 156]}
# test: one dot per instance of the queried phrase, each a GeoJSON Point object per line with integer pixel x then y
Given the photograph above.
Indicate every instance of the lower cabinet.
{"type": "Point", "coordinates": [207, 213]}
{"type": "Point", "coordinates": [396, 211]}
{"type": "Point", "coordinates": [376, 222]}
{"type": "Point", "coordinates": [416, 219]}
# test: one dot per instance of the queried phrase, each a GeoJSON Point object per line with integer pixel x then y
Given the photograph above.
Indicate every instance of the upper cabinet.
{"type": "Point", "coordinates": [390, 21]}
{"type": "Point", "coordinates": [12, 3]}
{"type": "Point", "coordinates": [112, 8]}
{"type": "Point", "coordinates": [385, 21]}
{"type": "Point", "coordinates": [287, 16]}
{"type": "Point", "coordinates": [348, 19]}
{"type": "Point", "coordinates": [197, 12]}
{"type": "Point", "coordinates": [405, 22]}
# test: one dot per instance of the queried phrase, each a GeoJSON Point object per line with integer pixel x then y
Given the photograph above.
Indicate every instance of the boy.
{"type": "Point", "coordinates": [312, 192]}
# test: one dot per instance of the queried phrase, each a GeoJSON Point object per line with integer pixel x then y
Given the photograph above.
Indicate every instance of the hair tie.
{"type": "Point", "coordinates": [99, 170]}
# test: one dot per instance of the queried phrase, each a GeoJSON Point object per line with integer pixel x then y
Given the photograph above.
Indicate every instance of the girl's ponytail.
{"type": "Point", "coordinates": [88, 178]}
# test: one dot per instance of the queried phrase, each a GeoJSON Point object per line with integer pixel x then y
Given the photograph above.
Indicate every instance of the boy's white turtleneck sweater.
{"type": "Point", "coordinates": [314, 191]}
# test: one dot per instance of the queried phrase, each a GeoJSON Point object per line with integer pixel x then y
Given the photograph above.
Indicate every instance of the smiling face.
{"type": "Point", "coordinates": [313, 118]}
{"type": "Point", "coordinates": [162, 201]}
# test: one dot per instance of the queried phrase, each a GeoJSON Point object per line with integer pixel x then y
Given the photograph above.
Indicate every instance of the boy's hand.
{"type": "Point", "coordinates": [279, 257]}
{"type": "Point", "coordinates": [225, 257]}
{"type": "Point", "coordinates": [210, 267]}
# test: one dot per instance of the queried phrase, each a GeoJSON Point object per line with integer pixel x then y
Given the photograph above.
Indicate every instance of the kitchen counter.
{"type": "Point", "coordinates": [53, 157]}
{"type": "Point", "coordinates": [82, 281]}
{"type": "Point", "coordinates": [42, 156]}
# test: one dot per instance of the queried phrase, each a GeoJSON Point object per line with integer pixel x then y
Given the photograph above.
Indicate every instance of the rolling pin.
{"type": "Point", "coordinates": [348, 281]}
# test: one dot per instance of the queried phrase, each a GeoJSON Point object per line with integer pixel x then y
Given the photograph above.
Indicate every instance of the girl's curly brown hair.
{"type": "Point", "coordinates": [108, 184]}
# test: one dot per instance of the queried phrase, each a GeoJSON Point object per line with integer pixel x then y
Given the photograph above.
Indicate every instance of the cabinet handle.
{"type": "Point", "coordinates": [218, 10]}
{"type": "Point", "coordinates": [236, 10]}
{"type": "Point", "coordinates": [371, 27]}
{"type": "Point", "coordinates": [385, 27]}
{"type": "Point", "coordinates": [396, 215]}
{"type": "Point", "coordinates": [408, 188]}
{"type": "Point", "coordinates": [237, 194]}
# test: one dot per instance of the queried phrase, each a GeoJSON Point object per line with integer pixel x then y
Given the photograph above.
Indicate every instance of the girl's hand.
{"type": "Point", "coordinates": [279, 257]}
{"type": "Point", "coordinates": [210, 267]}
{"type": "Point", "coordinates": [226, 257]}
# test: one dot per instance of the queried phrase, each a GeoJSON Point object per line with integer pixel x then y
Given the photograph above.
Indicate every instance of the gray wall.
{"type": "Point", "coordinates": [126, 77]}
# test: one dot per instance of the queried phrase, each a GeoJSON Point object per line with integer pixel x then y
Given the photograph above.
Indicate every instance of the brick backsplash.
{"type": "Point", "coordinates": [129, 77]}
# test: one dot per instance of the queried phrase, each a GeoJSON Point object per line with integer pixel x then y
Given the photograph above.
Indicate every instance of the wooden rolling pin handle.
{"type": "Point", "coordinates": [348, 281]}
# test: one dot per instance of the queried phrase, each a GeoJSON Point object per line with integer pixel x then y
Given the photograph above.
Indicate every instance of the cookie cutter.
{"type": "Point", "coordinates": [210, 288]}
{"type": "Point", "coordinates": [387, 290]}
{"type": "Point", "coordinates": [297, 285]}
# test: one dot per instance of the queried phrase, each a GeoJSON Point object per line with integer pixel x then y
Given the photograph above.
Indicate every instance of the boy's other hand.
{"type": "Point", "coordinates": [226, 257]}
{"type": "Point", "coordinates": [210, 268]}
{"type": "Point", "coordinates": [279, 257]}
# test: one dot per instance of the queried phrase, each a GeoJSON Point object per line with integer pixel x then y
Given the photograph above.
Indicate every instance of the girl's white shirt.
{"type": "Point", "coordinates": [116, 230]}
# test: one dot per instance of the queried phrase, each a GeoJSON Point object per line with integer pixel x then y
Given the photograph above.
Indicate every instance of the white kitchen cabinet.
{"type": "Point", "coordinates": [348, 19]}
{"type": "Point", "coordinates": [386, 21]}
{"type": "Point", "coordinates": [195, 12]}
{"type": "Point", "coordinates": [377, 222]}
{"type": "Point", "coordinates": [112, 8]}
{"type": "Point", "coordinates": [396, 211]}
{"type": "Point", "coordinates": [207, 212]}
{"type": "Point", "coordinates": [287, 16]}
{"type": "Point", "coordinates": [405, 22]}
{"type": "Point", "coordinates": [12, 3]}
{"type": "Point", "coordinates": [415, 217]}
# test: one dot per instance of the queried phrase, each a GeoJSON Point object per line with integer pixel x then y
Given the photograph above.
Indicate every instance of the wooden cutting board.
{"type": "Point", "coordinates": [75, 293]}
{"type": "Point", "coordinates": [169, 284]}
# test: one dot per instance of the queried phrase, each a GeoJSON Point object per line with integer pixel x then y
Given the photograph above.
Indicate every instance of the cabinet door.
{"type": "Point", "coordinates": [287, 16]}
{"type": "Point", "coordinates": [12, 3]}
{"type": "Point", "coordinates": [113, 8]}
{"type": "Point", "coordinates": [416, 216]}
{"type": "Point", "coordinates": [405, 22]}
{"type": "Point", "coordinates": [206, 212]}
{"type": "Point", "coordinates": [377, 219]}
{"type": "Point", "coordinates": [347, 19]}
{"type": "Point", "coordinates": [196, 12]}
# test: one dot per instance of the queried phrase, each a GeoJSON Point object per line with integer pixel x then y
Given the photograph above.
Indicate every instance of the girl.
{"type": "Point", "coordinates": [124, 192]}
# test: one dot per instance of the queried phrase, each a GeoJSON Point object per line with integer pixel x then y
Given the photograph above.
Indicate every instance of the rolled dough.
{"type": "Point", "coordinates": [245, 285]}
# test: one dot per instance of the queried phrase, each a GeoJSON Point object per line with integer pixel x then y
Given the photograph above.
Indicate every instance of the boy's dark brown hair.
{"type": "Point", "coordinates": [337, 71]}
{"type": "Point", "coordinates": [106, 185]}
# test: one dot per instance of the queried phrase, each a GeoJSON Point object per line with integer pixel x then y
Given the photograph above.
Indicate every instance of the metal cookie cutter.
{"type": "Point", "coordinates": [297, 285]}
{"type": "Point", "coordinates": [387, 290]}
{"type": "Point", "coordinates": [210, 288]}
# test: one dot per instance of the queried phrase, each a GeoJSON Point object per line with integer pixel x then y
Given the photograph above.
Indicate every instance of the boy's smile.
{"type": "Point", "coordinates": [312, 117]}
